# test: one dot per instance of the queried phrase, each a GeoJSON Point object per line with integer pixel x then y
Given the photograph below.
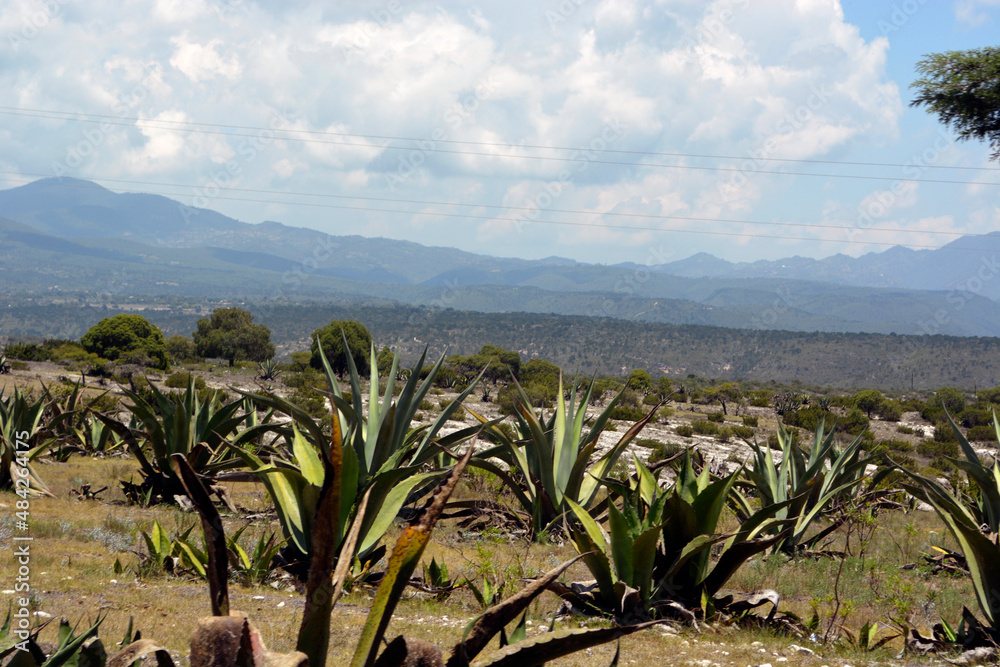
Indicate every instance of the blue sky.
{"type": "Point", "coordinates": [604, 131]}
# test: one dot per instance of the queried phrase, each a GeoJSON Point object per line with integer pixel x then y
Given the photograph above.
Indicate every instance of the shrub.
{"type": "Point", "coordinates": [890, 411]}
{"type": "Point", "coordinates": [932, 448]}
{"type": "Point", "coordinates": [725, 434]}
{"type": "Point", "coordinates": [664, 450]}
{"type": "Point", "coordinates": [702, 427]}
{"type": "Point", "coordinates": [180, 379]}
{"type": "Point", "coordinates": [941, 463]}
{"type": "Point", "coordinates": [426, 405]}
{"type": "Point", "coordinates": [944, 433]}
{"type": "Point", "coordinates": [127, 339]}
{"type": "Point", "coordinates": [627, 413]}
{"type": "Point", "coordinates": [330, 337]}
{"type": "Point", "coordinates": [809, 418]}
{"type": "Point", "coordinates": [685, 430]}
{"type": "Point", "coordinates": [975, 417]}
{"type": "Point", "coordinates": [744, 432]}
{"type": "Point", "coordinates": [181, 348]}
{"type": "Point", "coordinates": [855, 422]}
{"type": "Point", "coordinates": [458, 414]}
{"type": "Point", "coordinates": [25, 351]}
{"type": "Point", "coordinates": [751, 421]}
{"type": "Point", "coordinates": [665, 413]}
{"type": "Point", "coordinates": [716, 417]}
{"type": "Point", "coordinates": [905, 430]}
{"type": "Point", "coordinates": [896, 445]}
{"type": "Point", "coordinates": [982, 432]}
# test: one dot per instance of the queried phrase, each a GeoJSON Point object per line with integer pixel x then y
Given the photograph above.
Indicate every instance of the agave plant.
{"type": "Point", "coordinates": [268, 370]}
{"type": "Point", "coordinates": [979, 545]}
{"type": "Point", "coordinates": [982, 506]}
{"type": "Point", "coordinates": [552, 460]}
{"type": "Point", "coordinates": [383, 461]}
{"type": "Point", "coordinates": [22, 439]}
{"type": "Point", "coordinates": [325, 585]}
{"type": "Point", "coordinates": [175, 424]}
{"type": "Point", "coordinates": [816, 480]}
{"type": "Point", "coordinates": [656, 553]}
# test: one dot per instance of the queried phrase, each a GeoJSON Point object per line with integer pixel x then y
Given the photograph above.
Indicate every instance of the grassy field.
{"type": "Point", "coordinates": [865, 577]}
{"type": "Point", "coordinates": [77, 543]}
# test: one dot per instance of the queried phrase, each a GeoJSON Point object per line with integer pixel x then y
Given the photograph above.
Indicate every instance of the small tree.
{"type": "Point", "coordinates": [181, 348]}
{"type": "Point", "coordinates": [230, 334]}
{"type": "Point", "coordinates": [127, 338]}
{"type": "Point", "coordinates": [640, 380]}
{"type": "Point", "coordinates": [330, 336]}
{"type": "Point", "coordinates": [869, 401]}
{"type": "Point", "coordinates": [963, 89]}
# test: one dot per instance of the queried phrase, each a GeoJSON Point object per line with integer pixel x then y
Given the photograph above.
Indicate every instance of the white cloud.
{"type": "Point", "coordinates": [974, 13]}
{"type": "Point", "coordinates": [784, 79]}
{"type": "Point", "coordinates": [201, 62]}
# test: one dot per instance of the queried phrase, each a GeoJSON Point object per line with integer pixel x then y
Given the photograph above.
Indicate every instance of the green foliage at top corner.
{"type": "Point", "coordinates": [127, 338]}
{"type": "Point", "coordinates": [962, 88]}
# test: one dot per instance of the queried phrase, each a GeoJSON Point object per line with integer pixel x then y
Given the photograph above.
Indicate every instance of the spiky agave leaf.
{"type": "Point", "coordinates": [402, 563]}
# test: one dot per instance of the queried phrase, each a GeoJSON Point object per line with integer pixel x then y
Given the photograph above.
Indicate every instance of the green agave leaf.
{"type": "Point", "coordinates": [551, 646]}
{"type": "Point", "coordinates": [390, 507]}
{"type": "Point", "coordinates": [402, 563]}
{"type": "Point", "coordinates": [307, 457]}
{"type": "Point", "coordinates": [982, 557]}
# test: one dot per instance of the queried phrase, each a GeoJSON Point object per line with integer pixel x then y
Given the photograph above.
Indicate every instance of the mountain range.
{"type": "Point", "coordinates": [64, 238]}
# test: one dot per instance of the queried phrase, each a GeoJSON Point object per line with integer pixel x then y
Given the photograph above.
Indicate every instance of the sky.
{"type": "Point", "coordinates": [602, 131]}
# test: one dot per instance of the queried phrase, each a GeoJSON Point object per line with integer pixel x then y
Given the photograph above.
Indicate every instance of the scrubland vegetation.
{"type": "Point", "coordinates": [495, 507]}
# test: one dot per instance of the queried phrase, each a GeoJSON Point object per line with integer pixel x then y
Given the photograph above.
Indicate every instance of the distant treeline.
{"type": "Point", "coordinates": [589, 345]}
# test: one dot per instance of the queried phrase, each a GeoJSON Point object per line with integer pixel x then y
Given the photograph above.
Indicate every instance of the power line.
{"type": "Point", "coordinates": [423, 202]}
{"type": "Point", "coordinates": [159, 125]}
{"type": "Point", "coordinates": [69, 115]}
{"type": "Point", "coordinates": [581, 224]}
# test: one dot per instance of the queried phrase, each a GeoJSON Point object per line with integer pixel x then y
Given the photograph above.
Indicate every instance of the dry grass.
{"type": "Point", "coordinates": [76, 543]}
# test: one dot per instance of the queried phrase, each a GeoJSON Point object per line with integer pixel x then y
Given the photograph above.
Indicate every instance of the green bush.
{"type": "Point", "coordinates": [809, 417]}
{"type": "Point", "coordinates": [458, 414]}
{"type": "Point", "coordinates": [905, 430]}
{"type": "Point", "coordinates": [943, 432]}
{"type": "Point", "coordinates": [426, 405]}
{"type": "Point", "coordinates": [982, 432]}
{"type": "Point", "coordinates": [703, 427]}
{"type": "Point", "coordinates": [665, 413]}
{"type": "Point", "coordinates": [751, 421]}
{"type": "Point", "coordinates": [685, 430]}
{"type": "Point", "coordinates": [716, 417]}
{"type": "Point", "coordinates": [933, 448]}
{"type": "Point", "coordinates": [627, 413]}
{"type": "Point", "coordinates": [180, 379]}
{"type": "Point", "coordinates": [975, 417]}
{"type": "Point", "coordinates": [941, 463]}
{"type": "Point", "coordinates": [855, 422]}
{"type": "Point", "coordinates": [744, 432]}
{"type": "Point", "coordinates": [896, 445]}
{"type": "Point", "coordinates": [725, 434]}
{"type": "Point", "coordinates": [127, 339]}
{"type": "Point", "coordinates": [890, 411]}
{"type": "Point", "coordinates": [664, 450]}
